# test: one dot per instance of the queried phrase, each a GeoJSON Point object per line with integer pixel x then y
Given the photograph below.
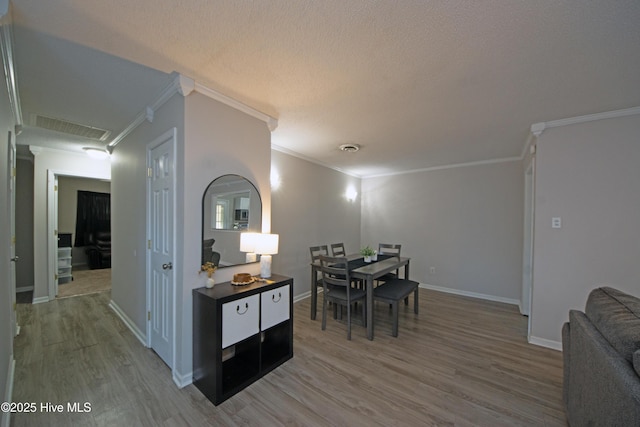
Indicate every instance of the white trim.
{"type": "Point", "coordinates": [527, 144]}
{"type": "Point", "coordinates": [304, 295]}
{"type": "Point", "coordinates": [6, 46]}
{"type": "Point", "coordinates": [184, 86]}
{"type": "Point", "coordinates": [128, 322]}
{"type": "Point", "coordinates": [451, 166]}
{"type": "Point", "coordinates": [182, 380]}
{"type": "Point", "coordinates": [24, 289]}
{"type": "Point", "coordinates": [542, 126]}
{"type": "Point", "coordinates": [40, 300]}
{"type": "Point", "coordinates": [311, 160]}
{"type": "Point", "coordinates": [542, 342]}
{"type": "Point", "coordinates": [470, 294]}
{"type": "Point", "coordinates": [271, 122]}
{"type": "Point", "coordinates": [8, 393]}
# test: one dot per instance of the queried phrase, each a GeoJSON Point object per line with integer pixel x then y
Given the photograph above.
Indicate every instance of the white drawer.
{"type": "Point", "coordinates": [240, 319]}
{"type": "Point", "coordinates": [275, 306]}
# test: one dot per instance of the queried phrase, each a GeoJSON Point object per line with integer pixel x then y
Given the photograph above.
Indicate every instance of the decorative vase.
{"type": "Point", "coordinates": [367, 259]}
{"type": "Point", "coordinates": [374, 257]}
{"type": "Point", "coordinates": [210, 283]}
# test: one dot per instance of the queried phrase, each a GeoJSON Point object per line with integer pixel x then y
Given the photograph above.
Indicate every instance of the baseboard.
{"type": "Point", "coordinates": [129, 323]}
{"type": "Point", "coordinates": [24, 289]}
{"type": "Point", "coordinates": [182, 380]}
{"type": "Point", "coordinates": [40, 300]}
{"type": "Point", "coordinates": [471, 294]}
{"type": "Point", "coordinates": [8, 393]}
{"type": "Point", "coordinates": [554, 345]}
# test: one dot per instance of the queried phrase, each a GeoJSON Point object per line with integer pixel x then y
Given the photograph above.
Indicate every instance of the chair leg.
{"type": "Point", "coordinates": [415, 301]}
{"type": "Point", "coordinates": [348, 321]}
{"type": "Point", "coordinates": [324, 313]}
{"type": "Point", "coordinates": [364, 313]}
{"type": "Point", "coordinates": [394, 332]}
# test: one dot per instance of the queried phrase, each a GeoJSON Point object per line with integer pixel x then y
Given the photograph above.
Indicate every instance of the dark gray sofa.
{"type": "Point", "coordinates": [601, 351]}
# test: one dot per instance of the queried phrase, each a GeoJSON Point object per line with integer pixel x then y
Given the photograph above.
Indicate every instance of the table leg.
{"type": "Point", "coordinates": [314, 292]}
{"type": "Point", "coordinates": [370, 307]}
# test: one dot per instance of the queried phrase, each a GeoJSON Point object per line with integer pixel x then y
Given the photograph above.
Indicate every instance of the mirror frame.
{"type": "Point", "coordinates": [206, 205]}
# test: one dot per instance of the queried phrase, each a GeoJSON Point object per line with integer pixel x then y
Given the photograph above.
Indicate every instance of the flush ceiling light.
{"type": "Point", "coordinates": [349, 148]}
{"type": "Point", "coordinates": [96, 153]}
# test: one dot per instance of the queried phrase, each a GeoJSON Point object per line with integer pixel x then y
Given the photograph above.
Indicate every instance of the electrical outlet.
{"type": "Point", "coordinates": [432, 270]}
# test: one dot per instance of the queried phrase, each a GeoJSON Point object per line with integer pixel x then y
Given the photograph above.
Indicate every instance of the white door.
{"type": "Point", "coordinates": [52, 232]}
{"type": "Point", "coordinates": [160, 218]}
{"type": "Point", "coordinates": [12, 243]}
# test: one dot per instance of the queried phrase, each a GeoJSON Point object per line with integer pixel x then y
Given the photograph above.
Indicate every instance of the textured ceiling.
{"type": "Point", "coordinates": [416, 83]}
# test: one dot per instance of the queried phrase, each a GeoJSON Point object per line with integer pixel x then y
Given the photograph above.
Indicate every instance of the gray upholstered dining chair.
{"type": "Point", "coordinates": [337, 249]}
{"type": "Point", "coordinates": [336, 287]}
{"type": "Point", "coordinates": [392, 292]}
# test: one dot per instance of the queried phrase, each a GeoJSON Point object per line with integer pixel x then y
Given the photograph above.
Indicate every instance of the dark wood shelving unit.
{"type": "Point", "coordinates": [259, 334]}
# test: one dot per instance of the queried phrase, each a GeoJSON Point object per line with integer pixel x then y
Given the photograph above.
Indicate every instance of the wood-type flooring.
{"type": "Point", "coordinates": [460, 362]}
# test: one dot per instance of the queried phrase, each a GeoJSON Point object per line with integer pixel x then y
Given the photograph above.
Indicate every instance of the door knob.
{"type": "Point", "coordinates": [15, 259]}
{"type": "Point", "coordinates": [167, 266]}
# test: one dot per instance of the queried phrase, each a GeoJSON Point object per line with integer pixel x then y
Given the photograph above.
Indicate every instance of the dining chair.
{"type": "Point", "coordinates": [392, 292]}
{"type": "Point", "coordinates": [393, 250]}
{"type": "Point", "coordinates": [336, 287]}
{"type": "Point", "coordinates": [337, 249]}
{"type": "Point", "coordinates": [316, 251]}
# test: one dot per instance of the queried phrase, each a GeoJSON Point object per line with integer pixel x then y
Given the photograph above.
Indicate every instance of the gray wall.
{"type": "Point", "coordinates": [213, 140]}
{"type": "Point", "coordinates": [466, 222]}
{"type": "Point", "coordinates": [24, 223]}
{"type": "Point", "coordinates": [308, 209]}
{"type": "Point", "coordinates": [68, 204]}
{"type": "Point", "coordinates": [588, 174]}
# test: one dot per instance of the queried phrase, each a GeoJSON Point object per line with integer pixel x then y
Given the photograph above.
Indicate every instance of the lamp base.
{"type": "Point", "coordinates": [265, 266]}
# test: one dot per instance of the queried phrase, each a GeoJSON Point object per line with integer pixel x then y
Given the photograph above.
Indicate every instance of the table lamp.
{"type": "Point", "coordinates": [266, 245]}
{"type": "Point", "coordinates": [248, 245]}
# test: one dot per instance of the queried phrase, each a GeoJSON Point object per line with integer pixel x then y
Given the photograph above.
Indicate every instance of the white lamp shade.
{"type": "Point", "coordinates": [267, 244]}
{"type": "Point", "coordinates": [248, 242]}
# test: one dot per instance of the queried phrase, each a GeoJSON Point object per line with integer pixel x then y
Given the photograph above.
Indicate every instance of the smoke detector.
{"type": "Point", "coordinates": [349, 148]}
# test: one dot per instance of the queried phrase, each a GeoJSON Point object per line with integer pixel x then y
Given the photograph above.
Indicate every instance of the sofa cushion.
{"type": "Point", "coordinates": [636, 362]}
{"type": "Point", "coordinates": [617, 316]}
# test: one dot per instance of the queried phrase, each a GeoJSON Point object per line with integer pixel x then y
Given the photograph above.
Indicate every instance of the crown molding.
{"type": "Point", "coordinates": [6, 46]}
{"type": "Point", "coordinates": [451, 166]}
{"type": "Point", "coordinates": [311, 160]}
{"type": "Point", "coordinates": [538, 128]}
{"type": "Point", "coordinates": [185, 86]}
{"type": "Point", "coordinates": [272, 123]}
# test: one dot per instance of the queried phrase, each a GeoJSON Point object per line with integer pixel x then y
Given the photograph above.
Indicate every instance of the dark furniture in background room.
{"type": "Point", "coordinates": [98, 250]}
{"type": "Point", "coordinates": [601, 353]}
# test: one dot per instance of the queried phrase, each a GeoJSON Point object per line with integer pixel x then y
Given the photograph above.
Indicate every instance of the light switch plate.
{"type": "Point", "coordinates": [556, 222]}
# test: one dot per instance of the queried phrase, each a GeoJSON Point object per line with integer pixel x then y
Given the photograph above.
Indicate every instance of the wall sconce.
{"type": "Point", "coordinates": [266, 245]}
{"type": "Point", "coordinates": [275, 179]}
{"type": "Point", "coordinates": [248, 245]}
{"type": "Point", "coordinates": [351, 194]}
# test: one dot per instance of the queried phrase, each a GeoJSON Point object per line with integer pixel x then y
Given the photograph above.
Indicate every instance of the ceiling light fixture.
{"type": "Point", "coordinates": [349, 148]}
{"type": "Point", "coordinates": [96, 153]}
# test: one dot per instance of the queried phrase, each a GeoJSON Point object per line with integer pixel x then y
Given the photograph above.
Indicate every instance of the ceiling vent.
{"type": "Point", "coordinates": [349, 148]}
{"type": "Point", "coordinates": [69, 128]}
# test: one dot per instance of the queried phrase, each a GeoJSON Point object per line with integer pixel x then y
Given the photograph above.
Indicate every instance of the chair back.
{"type": "Point", "coordinates": [316, 251]}
{"type": "Point", "coordinates": [337, 249]}
{"type": "Point", "coordinates": [389, 249]}
{"type": "Point", "coordinates": [335, 272]}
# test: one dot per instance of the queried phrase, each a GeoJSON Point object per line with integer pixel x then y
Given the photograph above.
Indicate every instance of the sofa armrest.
{"type": "Point", "coordinates": [603, 388]}
{"type": "Point", "coordinates": [566, 362]}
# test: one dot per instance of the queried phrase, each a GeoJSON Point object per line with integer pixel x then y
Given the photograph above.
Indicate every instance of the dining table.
{"type": "Point", "coordinates": [366, 271]}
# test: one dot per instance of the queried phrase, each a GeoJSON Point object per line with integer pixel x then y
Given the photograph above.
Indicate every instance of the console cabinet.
{"type": "Point", "coordinates": [240, 333]}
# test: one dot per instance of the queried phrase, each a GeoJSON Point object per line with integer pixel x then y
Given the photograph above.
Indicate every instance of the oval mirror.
{"type": "Point", "coordinates": [231, 205]}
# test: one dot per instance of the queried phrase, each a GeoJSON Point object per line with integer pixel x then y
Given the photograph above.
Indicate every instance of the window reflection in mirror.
{"type": "Point", "coordinates": [230, 205]}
